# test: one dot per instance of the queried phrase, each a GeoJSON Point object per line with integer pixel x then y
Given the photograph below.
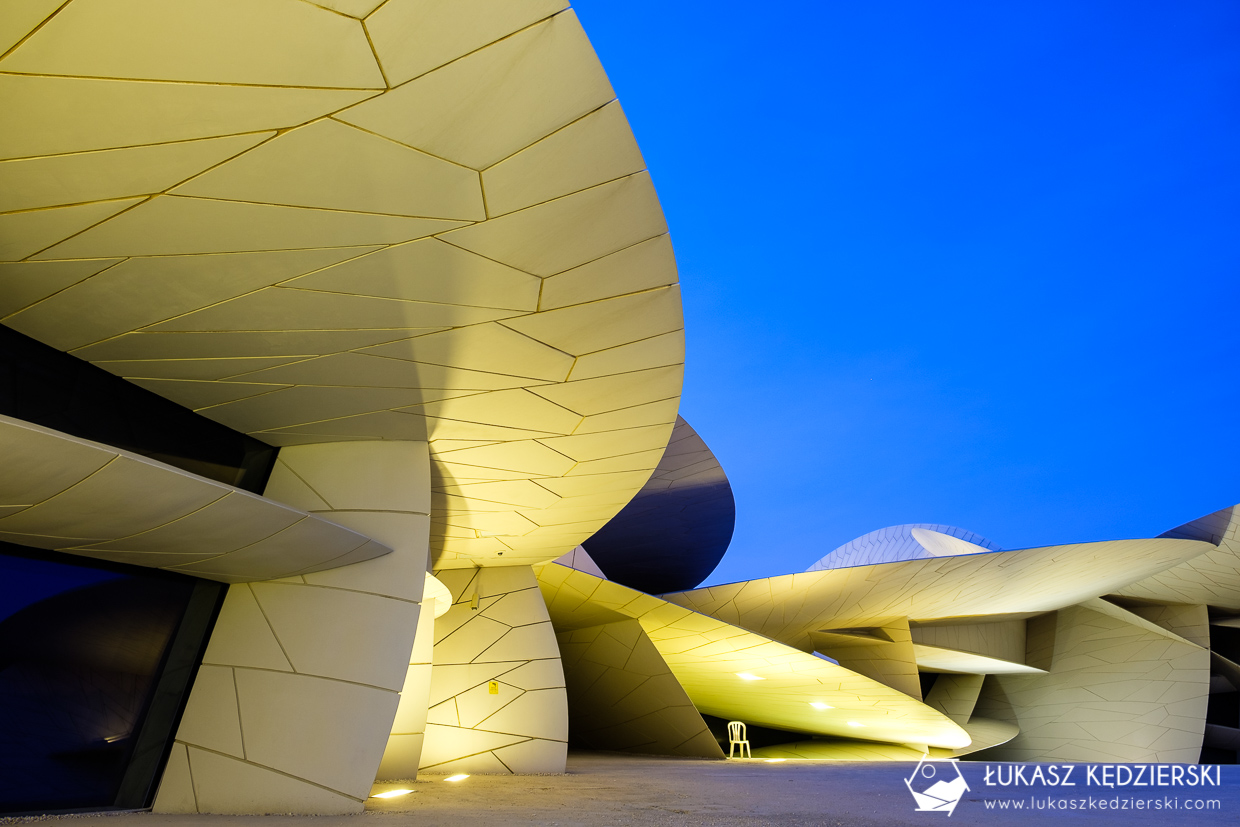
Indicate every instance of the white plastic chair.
{"type": "Point", "coordinates": [737, 734]}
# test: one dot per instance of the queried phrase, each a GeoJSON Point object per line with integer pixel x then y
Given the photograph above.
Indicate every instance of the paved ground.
{"type": "Point", "coordinates": [608, 789]}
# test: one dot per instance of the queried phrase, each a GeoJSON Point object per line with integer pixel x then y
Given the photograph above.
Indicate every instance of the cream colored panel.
{"type": "Point", "coordinates": [397, 575]}
{"type": "Point", "coordinates": [934, 659]}
{"type": "Point", "coordinates": [445, 744]}
{"type": "Point", "coordinates": [330, 165]}
{"type": "Point", "coordinates": [360, 370]}
{"type": "Point", "coordinates": [40, 463]}
{"type": "Point", "coordinates": [338, 634]}
{"type": "Point", "coordinates": [955, 695]}
{"type": "Point", "coordinates": [1212, 579]}
{"type": "Point", "coordinates": [591, 151]}
{"type": "Point", "coordinates": [580, 560]}
{"type": "Point", "coordinates": [508, 408]}
{"type": "Point", "coordinates": [609, 393]}
{"type": "Point", "coordinates": [404, 746]}
{"type": "Point", "coordinates": [496, 101]}
{"type": "Point", "coordinates": [986, 733]}
{"type": "Point", "coordinates": [622, 696]}
{"type": "Point", "coordinates": [430, 270]}
{"type": "Point", "coordinates": [195, 395]}
{"type": "Point", "coordinates": [376, 476]}
{"type": "Point", "coordinates": [226, 785]}
{"type": "Point", "coordinates": [655, 352]}
{"type": "Point", "coordinates": [1189, 622]}
{"type": "Point", "coordinates": [1119, 689]}
{"type": "Point", "coordinates": [273, 42]}
{"type": "Point", "coordinates": [885, 654]}
{"type": "Point", "coordinates": [170, 225]}
{"type": "Point", "coordinates": [1004, 640]}
{"type": "Point", "coordinates": [76, 114]}
{"type": "Point", "coordinates": [176, 788]}
{"type": "Point", "coordinates": [643, 266]}
{"type": "Point", "coordinates": [26, 283]}
{"type": "Point", "coordinates": [839, 750]}
{"type": "Point", "coordinates": [18, 18]}
{"type": "Point", "coordinates": [945, 545]}
{"type": "Point", "coordinates": [509, 492]}
{"type": "Point", "coordinates": [353, 8]}
{"type": "Point", "coordinates": [339, 751]}
{"type": "Point", "coordinates": [23, 234]}
{"type": "Point", "coordinates": [412, 37]}
{"type": "Point", "coordinates": [310, 310]}
{"type": "Point", "coordinates": [1029, 580]}
{"type": "Point", "coordinates": [606, 324]}
{"type": "Point", "coordinates": [192, 369]}
{"type": "Point", "coordinates": [143, 291]}
{"type": "Point", "coordinates": [95, 176]}
{"type": "Point", "coordinates": [210, 719]}
{"type": "Point", "coordinates": [103, 506]}
{"type": "Point", "coordinates": [708, 656]}
{"type": "Point", "coordinates": [567, 232]}
{"type": "Point", "coordinates": [235, 344]}
{"type": "Point", "coordinates": [308, 545]}
{"type": "Point", "coordinates": [402, 753]}
{"type": "Point", "coordinates": [585, 447]}
{"type": "Point", "coordinates": [497, 625]}
{"type": "Point", "coordinates": [484, 347]}
{"type": "Point", "coordinates": [652, 413]}
{"type": "Point", "coordinates": [295, 406]}
{"type": "Point", "coordinates": [525, 456]}
{"type": "Point", "coordinates": [242, 636]}
{"type": "Point", "coordinates": [232, 522]}
{"type": "Point", "coordinates": [535, 756]}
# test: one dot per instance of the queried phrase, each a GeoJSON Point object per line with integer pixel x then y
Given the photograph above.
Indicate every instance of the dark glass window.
{"type": "Point", "coordinates": [96, 660]}
{"type": "Point", "coordinates": [40, 384]}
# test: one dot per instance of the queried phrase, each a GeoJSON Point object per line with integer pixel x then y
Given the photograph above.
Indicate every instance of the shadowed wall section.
{"type": "Point", "coordinates": [623, 697]}
{"type": "Point", "coordinates": [674, 532]}
{"type": "Point", "coordinates": [1119, 688]}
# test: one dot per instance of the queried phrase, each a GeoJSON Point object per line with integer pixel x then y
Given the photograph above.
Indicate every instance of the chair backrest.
{"type": "Point", "coordinates": [736, 731]}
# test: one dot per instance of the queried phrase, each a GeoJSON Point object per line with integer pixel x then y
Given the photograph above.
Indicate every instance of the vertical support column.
{"type": "Point", "coordinates": [404, 746]}
{"type": "Point", "coordinates": [302, 677]}
{"type": "Point", "coordinates": [497, 699]}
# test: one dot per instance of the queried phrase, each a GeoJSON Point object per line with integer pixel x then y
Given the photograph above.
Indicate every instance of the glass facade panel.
{"type": "Point", "coordinates": [95, 663]}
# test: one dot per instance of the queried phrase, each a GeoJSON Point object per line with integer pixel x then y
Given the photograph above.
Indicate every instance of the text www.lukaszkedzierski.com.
{"type": "Point", "coordinates": [1091, 803]}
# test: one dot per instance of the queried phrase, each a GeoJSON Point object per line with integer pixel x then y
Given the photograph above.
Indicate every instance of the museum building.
{"type": "Point", "coordinates": [340, 368]}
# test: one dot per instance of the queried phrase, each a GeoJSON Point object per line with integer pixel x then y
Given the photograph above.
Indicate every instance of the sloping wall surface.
{"type": "Point", "coordinates": [1119, 688]}
{"type": "Point", "coordinates": [301, 680]}
{"type": "Point", "coordinates": [497, 698]}
{"type": "Point", "coordinates": [623, 697]}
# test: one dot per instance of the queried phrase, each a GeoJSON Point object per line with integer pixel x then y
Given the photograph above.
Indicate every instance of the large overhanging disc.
{"type": "Point", "coordinates": [354, 221]}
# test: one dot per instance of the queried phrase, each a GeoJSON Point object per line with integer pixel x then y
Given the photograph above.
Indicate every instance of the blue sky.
{"type": "Point", "coordinates": [962, 263]}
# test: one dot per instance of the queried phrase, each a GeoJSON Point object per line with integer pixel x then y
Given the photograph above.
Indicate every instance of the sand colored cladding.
{"type": "Point", "coordinates": [883, 652]}
{"type": "Point", "coordinates": [302, 677]}
{"type": "Point", "coordinates": [1119, 688]}
{"type": "Point", "coordinates": [404, 744]}
{"type": "Point", "coordinates": [354, 221]}
{"type": "Point", "coordinates": [497, 697]}
{"type": "Point", "coordinates": [623, 697]}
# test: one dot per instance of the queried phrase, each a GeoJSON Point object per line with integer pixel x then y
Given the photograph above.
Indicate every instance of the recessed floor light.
{"type": "Point", "coordinates": [775, 760]}
{"type": "Point", "coordinates": [749, 676]}
{"type": "Point", "coordinates": [460, 777]}
{"type": "Point", "coordinates": [391, 794]}
{"type": "Point", "coordinates": [820, 705]}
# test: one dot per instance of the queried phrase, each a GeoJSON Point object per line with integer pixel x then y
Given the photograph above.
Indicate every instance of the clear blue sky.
{"type": "Point", "coordinates": [967, 263]}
